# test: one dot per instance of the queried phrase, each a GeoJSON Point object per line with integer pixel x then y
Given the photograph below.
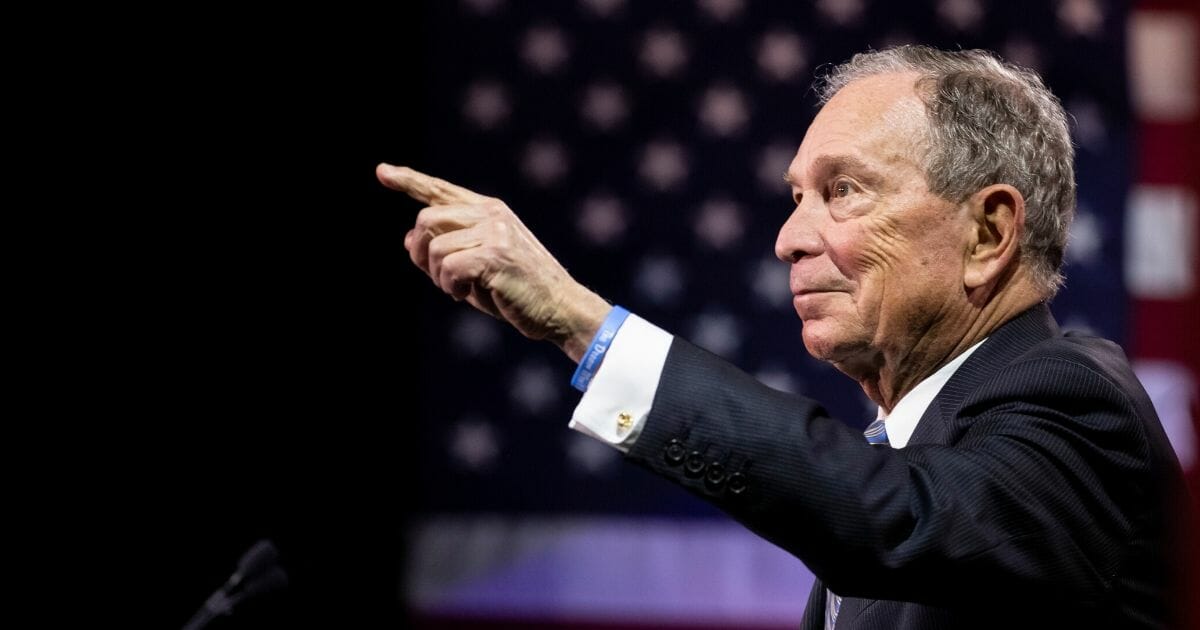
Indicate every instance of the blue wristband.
{"type": "Point", "coordinates": [595, 353]}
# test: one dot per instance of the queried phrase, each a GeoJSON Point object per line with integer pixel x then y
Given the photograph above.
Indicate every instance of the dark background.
{"type": "Point", "coordinates": [266, 330]}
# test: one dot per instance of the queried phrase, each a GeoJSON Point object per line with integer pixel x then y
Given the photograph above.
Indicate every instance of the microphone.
{"type": "Point", "coordinates": [257, 573]}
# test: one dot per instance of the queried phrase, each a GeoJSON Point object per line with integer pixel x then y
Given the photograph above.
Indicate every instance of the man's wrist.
{"type": "Point", "coordinates": [594, 354]}
{"type": "Point", "coordinates": [581, 325]}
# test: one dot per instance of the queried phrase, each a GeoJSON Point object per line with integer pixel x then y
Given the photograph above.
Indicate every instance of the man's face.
{"type": "Point", "coordinates": [876, 259]}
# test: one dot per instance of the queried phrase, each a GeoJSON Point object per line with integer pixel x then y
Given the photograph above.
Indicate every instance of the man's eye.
{"type": "Point", "coordinates": [842, 188]}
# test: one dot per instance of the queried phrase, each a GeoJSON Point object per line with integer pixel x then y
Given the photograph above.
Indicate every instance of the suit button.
{"type": "Point", "coordinates": [694, 465]}
{"type": "Point", "coordinates": [737, 483]}
{"type": "Point", "coordinates": [674, 453]}
{"type": "Point", "coordinates": [715, 475]}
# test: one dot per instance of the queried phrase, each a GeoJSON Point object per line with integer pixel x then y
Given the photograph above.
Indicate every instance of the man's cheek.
{"type": "Point", "coordinates": [850, 253]}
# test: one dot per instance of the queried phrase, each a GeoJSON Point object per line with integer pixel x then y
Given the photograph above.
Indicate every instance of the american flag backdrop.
{"type": "Point", "coordinates": [645, 143]}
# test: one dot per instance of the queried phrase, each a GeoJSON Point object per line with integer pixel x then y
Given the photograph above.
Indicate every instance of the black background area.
{"type": "Point", "coordinates": [265, 325]}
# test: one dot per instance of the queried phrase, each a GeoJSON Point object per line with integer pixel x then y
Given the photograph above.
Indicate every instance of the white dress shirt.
{"type": "Point", "coordinates": [901, 423]}
{"type": "Point", "coordinates": [614, 408]}
{"type": "Point", "coordinates": [617, 401]}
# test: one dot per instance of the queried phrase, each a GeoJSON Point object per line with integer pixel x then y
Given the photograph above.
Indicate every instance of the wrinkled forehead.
{"type": "Point", "coordinates": [879, 115]}
{"type": "Point", "coordinates": [888, 101]}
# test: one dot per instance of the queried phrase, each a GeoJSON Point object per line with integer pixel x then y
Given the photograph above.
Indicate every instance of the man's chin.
{"type": "Point", "coordinates": [829, 346]}
{"type": "Point", "coordinates": [820, 346]}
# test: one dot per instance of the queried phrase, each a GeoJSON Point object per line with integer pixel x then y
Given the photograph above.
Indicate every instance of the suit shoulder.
{"type": "Point", "coordinates": [1078, 352]}
{"type": "Point", "coordinates": [1072, 372]}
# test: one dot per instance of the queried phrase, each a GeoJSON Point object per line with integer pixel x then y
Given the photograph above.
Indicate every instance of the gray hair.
{"type": "Point", "coordinates": [990, 122]}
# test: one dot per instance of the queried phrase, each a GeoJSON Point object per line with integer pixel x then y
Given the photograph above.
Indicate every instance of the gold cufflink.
{"type": "Point", "coordinates": [624, 420]}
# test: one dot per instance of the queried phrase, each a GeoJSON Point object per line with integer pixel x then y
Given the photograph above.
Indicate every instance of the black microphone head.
{"type": "Point", "coordinates": [259, 558]}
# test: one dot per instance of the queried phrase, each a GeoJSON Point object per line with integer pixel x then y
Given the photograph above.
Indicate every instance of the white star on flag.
{"type": "Point", "coordinates": [1021, 51]}
{"type": "Point", "coordinates": [474, 443]}
{"type": "Point", "coordinates": [589, 455]}
{"type": "Point", "coordinates": [535, 388]}
{"type": "Point", "coordinates": [717, 332]}
{"type": "Point", "coordinates": [841, 12]}
{"type": "Point", "coordinates": [603, 8]}
{"type": "Point", "coordinates": [719, 224]}
{"type": "Point", "coordinates": [769, 280]}
{"type": "Point", "coordinates": [475, 334]}
{"type": "Point", "coordinates": [605, 105]}
{"type": "Point", "coordinates": [659, 280]}
{"type": "Point", "coordinates": [1089, 129]}
{"type": "Point", "coordinates": [486, 104]}
{"type": "Point", "coordinates": [664, 53]}
{"type": "Point", "coordinates": [602, 219]}
{"type": "Point", "coordinates": [545, 162]}
{"type": "Point", "coordinates": [1085, 238]}
{"type": "Point", "coordinates": [663, 165]}
{"type": "Point", "coordinates": [781, 55]}
{"type": "Point", "coordinates": [722, 10]}
{"type": "Point", "coordinates": [1084, 18]}
{"type": "Point", "coordinates": [723, 110]}
{"type": "Point", "coordinates": [773, 162]}
{"type": "Point", "coordinates": [545, 49]}
{"type": "Point", "coordinates": [961, 15]}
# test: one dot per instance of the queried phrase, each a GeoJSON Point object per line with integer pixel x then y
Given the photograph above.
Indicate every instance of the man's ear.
{"type": "Point", "coordinates": [997, 220]}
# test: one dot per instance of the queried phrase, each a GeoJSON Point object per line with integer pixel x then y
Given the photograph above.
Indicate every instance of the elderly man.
{"type": "Point", "coordinates": [1028, 482]}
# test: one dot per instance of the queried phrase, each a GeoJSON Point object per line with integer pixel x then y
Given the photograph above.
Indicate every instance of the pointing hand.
{"type": "Point", "coordinates": [476, 249]}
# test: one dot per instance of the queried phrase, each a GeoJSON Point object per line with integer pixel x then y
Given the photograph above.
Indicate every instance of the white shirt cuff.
{"type": "Point", "coordinates": [616, 403]}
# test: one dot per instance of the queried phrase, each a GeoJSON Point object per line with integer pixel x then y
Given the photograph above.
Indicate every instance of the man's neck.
{"type": "Point", "coordinates": [899, 369]}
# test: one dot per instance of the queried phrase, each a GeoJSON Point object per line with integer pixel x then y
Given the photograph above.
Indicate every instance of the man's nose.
{"type": "Point", "coordinates": [798, 237]}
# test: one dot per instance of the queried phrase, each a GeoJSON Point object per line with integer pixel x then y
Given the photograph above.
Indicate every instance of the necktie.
{"type": "Point", "coordinates": [876, 433]}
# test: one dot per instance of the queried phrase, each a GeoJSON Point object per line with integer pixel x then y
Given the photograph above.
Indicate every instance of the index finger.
{"type": "Point", "coordinates": [425, 188]}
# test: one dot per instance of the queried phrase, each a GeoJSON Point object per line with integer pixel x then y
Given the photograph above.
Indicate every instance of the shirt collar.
{"type": "Point", "coordinates": [904, 417]}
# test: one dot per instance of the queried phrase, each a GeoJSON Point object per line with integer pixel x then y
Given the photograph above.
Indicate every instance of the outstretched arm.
{"type": "Point", "coordinates": [475, 248]}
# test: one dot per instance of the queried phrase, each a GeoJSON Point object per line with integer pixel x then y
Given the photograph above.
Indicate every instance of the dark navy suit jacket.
{"type": "Point", "coordinates": [1038, 489]}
